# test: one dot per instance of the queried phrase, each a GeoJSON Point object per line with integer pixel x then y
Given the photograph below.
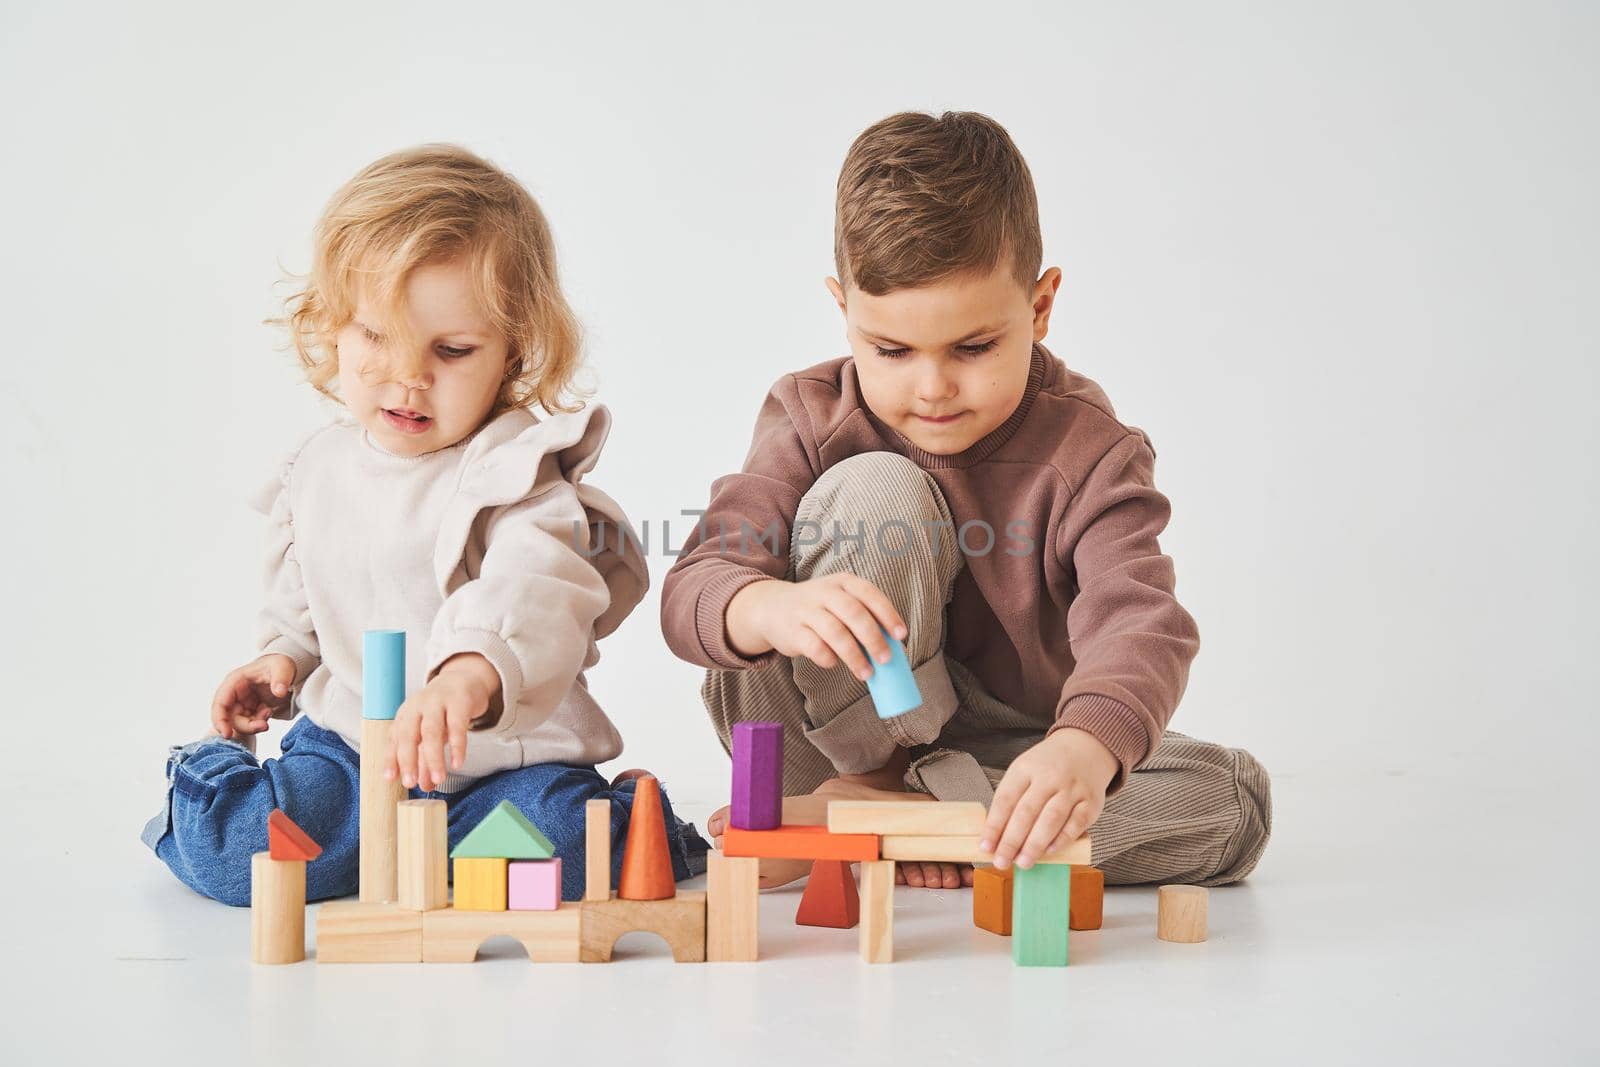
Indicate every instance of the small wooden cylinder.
{"type": "Point", "coordinates": [379, 821]}
{"type": "Point", "coordinates": [422, 854]}
{"type": "Point", "coordinates": [277, 909]}
{"type": "Point", "coordinates": [1181, 913]}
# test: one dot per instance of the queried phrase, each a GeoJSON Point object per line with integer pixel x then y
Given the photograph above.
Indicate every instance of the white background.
{"type": "Point", "coordinates": [1337, 260]}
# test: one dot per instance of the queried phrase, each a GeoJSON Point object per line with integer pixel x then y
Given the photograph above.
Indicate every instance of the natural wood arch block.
{"type": "Point", "coordinates": [451, 936]}
{"type": "Point", "coordinates": [680, 920]}
{"type": "Point", "coordinates": [1181, 913]}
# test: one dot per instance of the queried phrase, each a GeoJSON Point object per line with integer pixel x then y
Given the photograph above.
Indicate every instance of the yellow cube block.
{"type": "Point", "coordinates": [480, 884]}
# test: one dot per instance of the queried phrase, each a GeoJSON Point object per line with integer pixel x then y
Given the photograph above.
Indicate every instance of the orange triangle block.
{"type": "Point", "coordinates": [831, 897]}
{"type": "Point", "coordinates": [286, 841]}
{"type": "Point", "coordinates": [646, 864]}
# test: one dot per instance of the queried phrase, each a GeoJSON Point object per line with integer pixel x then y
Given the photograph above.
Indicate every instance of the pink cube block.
{"type": "Point", "coordinates": [533, 885]}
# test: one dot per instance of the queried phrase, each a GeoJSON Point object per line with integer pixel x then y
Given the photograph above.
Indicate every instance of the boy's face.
{"type": "Point", "coordinates": [435, 387]}
{"type": "Point", "coordinates": [946, 363]}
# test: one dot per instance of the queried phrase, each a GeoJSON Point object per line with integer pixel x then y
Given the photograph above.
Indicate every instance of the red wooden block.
{"type": "Point", "coordinates": [286, 841]}
{"type": "Point", "coordinates": [831, 897]}
{"type": "Point", "coordinates": [646, 863]}
{"type": "Point", "coordinates": [799, 843]}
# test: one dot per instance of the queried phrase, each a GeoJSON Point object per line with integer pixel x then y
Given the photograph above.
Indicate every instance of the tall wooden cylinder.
{"type": "Point", "coordinates": [379, 815]}
{"type": "Point", "coordinates": [277, 909]}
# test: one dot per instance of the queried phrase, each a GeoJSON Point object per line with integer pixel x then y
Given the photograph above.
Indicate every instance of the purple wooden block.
{"type": "Point", "coordinates": [757, 776]}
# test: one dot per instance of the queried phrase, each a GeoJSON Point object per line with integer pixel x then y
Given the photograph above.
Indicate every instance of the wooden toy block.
{"type": "Point", "coordinates": [534, 885]}
{"type": "Point", "coordinates": [909, 817]}
{"type": "Point", "coordinates": [383, 690]}
{"type": "Point", "coordinates": [423, 865]}
{"type": "Point", "coordinates": [1088, 898]}
{"type": "Point", "coordinates": [877, 911]}
{"type": "Point", "coordinates": [963, 848]}
{"type": "Point", "coordinates": [646, 863]}
{"type": "Point", "coordinates": [349, 931]}
{"type": "Point", "coordinates": [480, 884]}
{"type": "Point", "coordinates": [597, 849]}
{"type": "Point", "coordinates": [277, 909]}
{"type": "Point", "coordinates": [504, 833]}
{"type": "Point", "coordinates": [757, 776]}
{"type": "Point", "coordinates": [799, 843]}
{"type": "Point", "coordinates": [452, 936]}
{"type": "Point", "coordinates": [379, 819]}
{"type": "Point", "coordinates": [733, 887]}
{"type": "Point", "coordinates": [1039, 900]}
{"type": "Point", "coordinates": [1181, 913]}
{"type": "Point", "coordinates": [991, 899]}
{"type": "Point", "coordinates": [831, 898]}
{"type": "Point", "coordinates": [892, 685]}
{"type": "Point", "coordinates": [286, 841]}
{"type": "Point", "coordinates": [680, 920]}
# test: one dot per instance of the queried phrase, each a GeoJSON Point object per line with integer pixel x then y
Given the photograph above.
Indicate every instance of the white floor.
{"type": "Point", "coordinates": [1417, 934]}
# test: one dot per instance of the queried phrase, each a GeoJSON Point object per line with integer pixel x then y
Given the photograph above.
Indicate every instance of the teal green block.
{"type": "Point", "coordinates": [504, 833]}
{"type": "Point", "coordinates": [1041, 897]}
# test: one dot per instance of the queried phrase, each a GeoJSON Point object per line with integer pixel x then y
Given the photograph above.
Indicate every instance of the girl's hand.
{"type": "Point", "coordinates": [459, 692]}
{"type": "Point", "coordinates": [1050, 795]}
{"type": "Point", "coordinates": [828, 620]}
{"type": "Point", "coordinates": [249, 695]}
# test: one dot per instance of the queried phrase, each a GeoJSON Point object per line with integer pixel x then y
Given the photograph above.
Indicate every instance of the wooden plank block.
{"type": "Point", "coordinates": [831, 898]}
{"type": "Point", "coordinates": [504, 833]}
{"type": "Point", "coordinates": [646, 863]}
{"type": "Point", "coordinates": [877, 911]}
{"type": "Point", "coordinates": [991, 899]}
{"type": "Point", "coordinates": [1087, 911]}
{"type": "Point", "coordinates": [680, 920]}
{"type": "Point", "coordinates": [597, 849]}
{"type": "Point", "coordinates": [733, 887]}
{"type": "Point", "coordinates": [907, 817]}
{"type": "Point", "coordinates": [799, 843]}
{"type": "Point", "coordinates": [757, 776]}
{"type": "Point", "coordinates": [423, 875]}
{"type": "Point", "coordinates": [1181, 913]}
{"type": "Point", "coordinates": [379, 819]}
{"type": "Point", "coordinates": [277, 909]}
{"type": "Point", "coordinates": [480, 884]}
{"type": "Point", "coordinates": [349, 931]}
{"type": "Point", "coordinates": [451, 936]}
{"type": "Point", "coordinates": [534, 885]}
{"type": "Point", "coordinates": [286, 841]}
{"type": "Point", "coordinates": [963, 848]}
{"type": "Point", "coordinates": [1040, 898]}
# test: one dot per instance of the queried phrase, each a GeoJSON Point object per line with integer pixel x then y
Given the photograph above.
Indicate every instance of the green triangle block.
{"type": "Point", "coordinates": [504, 833]}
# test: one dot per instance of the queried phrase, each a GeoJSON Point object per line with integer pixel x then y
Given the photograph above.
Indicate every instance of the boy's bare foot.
{"type": "Point", "coordinates": [917, 875]}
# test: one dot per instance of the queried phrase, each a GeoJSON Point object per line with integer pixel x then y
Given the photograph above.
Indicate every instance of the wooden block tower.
{"type": "Point", "coordinates": [383, 690]}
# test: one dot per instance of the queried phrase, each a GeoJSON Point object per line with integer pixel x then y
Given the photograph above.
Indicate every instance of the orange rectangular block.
{"type": "Point", "coordinates": [991, 899]}
{"type": "Point", "coordinates": [799, 843]}
{"type": "Point", "coordinates": [1086, 906]}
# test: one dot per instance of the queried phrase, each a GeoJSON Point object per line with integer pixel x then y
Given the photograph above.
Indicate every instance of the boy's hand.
{"type": "Point", "coordinates": [1050, 795]}
{"type": "Point", "coordinates": [249, 695]}
{"type": "Point", "coordinates": [828, 620]}
{"type": "Point", "coordinates": [440, 712]}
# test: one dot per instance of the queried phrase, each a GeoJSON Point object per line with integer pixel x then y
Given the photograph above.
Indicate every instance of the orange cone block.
{"type": "Point", "coordinates": [831, 897]}
{"type": "Point", "coordinates": [646, 863]}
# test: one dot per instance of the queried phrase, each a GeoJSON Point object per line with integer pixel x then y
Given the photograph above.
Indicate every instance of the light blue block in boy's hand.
{"type": "Point", "coordinates": [892, 685]}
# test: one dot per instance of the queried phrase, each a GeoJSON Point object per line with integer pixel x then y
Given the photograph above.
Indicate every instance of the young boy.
{"type": "Point", "coordinates": [956, 484]}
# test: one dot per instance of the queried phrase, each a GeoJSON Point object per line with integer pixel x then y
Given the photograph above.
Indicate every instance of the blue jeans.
{"type": "Point", "coordinates": [219, 796]}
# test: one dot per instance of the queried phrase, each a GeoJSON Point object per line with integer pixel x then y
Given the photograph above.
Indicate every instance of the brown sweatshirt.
{"type": "Point", "coordinates": [1084, 630]}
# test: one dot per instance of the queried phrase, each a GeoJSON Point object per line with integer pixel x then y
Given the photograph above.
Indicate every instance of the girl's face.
{"type": "Point", "coordinates": [435, 389]}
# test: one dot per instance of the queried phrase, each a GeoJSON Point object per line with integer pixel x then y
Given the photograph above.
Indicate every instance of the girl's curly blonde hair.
{"type": "Point", "coordinates": [434, 203]}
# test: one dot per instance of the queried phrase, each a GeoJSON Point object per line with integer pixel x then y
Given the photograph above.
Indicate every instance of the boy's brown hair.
{"type": "Point", "coordinates": [925, 197]}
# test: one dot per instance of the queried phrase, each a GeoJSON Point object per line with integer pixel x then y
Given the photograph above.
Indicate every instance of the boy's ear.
{"type": "Point", "coordinates": [838, 292]}
{"type": "Point", "coordinates": [1044, 301]}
